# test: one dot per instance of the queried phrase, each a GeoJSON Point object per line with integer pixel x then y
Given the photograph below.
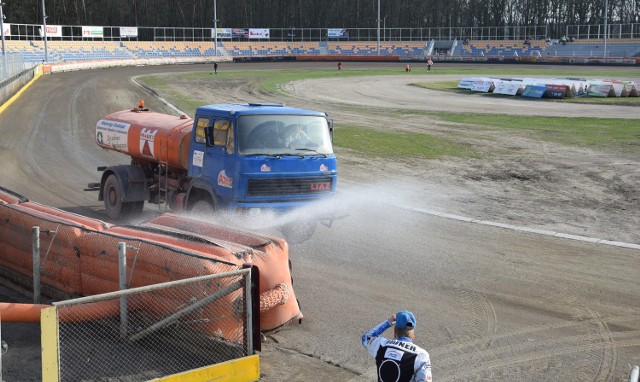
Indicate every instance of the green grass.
{"type": "Point", "coordinates": [395, 144]}
{"type": "Point", "coordinates": [609, 133]}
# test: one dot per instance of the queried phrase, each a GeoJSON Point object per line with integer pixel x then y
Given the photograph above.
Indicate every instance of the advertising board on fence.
{"type": "Point", "coordinates": [507, 87]}
{"type": "Point", "coordinates": [337, 33]}
{"type": "Point", "coordinates": [239, 33]}
{"type": "Point", "coordinates": [258, 33]}
{"type": "Point", "coordinates": [128, 32]}
{"type": "Point", "coordinates": [222, 32]}
{"type": "Point", "coordinates": [6, 29]}
{"type": "Point", "coordinates": [54, 30]}
{"type": "Point", "coordinates": [92, 32]}
{"type": "Point", "coordinates": [534, 91]}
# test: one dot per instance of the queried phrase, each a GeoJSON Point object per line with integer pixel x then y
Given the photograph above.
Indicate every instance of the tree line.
{"type": "Point", "coordinates": [321, 13]}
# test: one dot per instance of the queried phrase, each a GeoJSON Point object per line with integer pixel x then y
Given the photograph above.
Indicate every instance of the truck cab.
{"type": "Point", "coordinates": [260, 156]}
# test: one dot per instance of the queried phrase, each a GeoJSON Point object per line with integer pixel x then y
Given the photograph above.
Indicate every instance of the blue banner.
{"type": "Point", "coordinates": [534, 91]}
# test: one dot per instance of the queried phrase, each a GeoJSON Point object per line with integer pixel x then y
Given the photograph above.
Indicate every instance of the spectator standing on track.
{"type": "Point", "coordinates": [399, 359]}
{"type": "Point", "coordinates": [407, 68]}
{"type": "Point", "coordinates": [429, 63]}
{"type": "Point", "coordinates": [215, 67]}
{"type": "Point", "coordinates": [339, 65]}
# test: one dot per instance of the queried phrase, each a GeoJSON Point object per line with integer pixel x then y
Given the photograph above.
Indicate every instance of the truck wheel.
{"type": "Point", "coordinates": [113, 203]}
{"type": "Point", "coordinates": [112, 194]}
{"type": "Point", "coordinates": [203, 207]}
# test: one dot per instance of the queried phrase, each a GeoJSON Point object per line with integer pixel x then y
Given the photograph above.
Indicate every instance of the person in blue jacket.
{"type": "Point", "coordinates": [399, 359]}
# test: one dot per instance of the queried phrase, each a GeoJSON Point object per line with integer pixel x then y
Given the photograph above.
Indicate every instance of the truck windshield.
{"type": "Point", "coordinates": [283, 135]}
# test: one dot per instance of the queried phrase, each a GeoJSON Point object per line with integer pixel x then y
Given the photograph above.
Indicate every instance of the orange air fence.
{"type": "Point", "coordinates": [79, 257]}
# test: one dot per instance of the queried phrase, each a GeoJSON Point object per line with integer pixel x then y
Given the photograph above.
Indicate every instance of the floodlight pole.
{"type": "Point", "coordinates": [606, 16]}
{"type": "Point", "coordinates": [378, 39]}
{"type": "Point", "coordinates": [4, 64]}
{"type": "Point", "coordinates": [44, 30]}
{"type": "Point", "coordinates": [215, 28]}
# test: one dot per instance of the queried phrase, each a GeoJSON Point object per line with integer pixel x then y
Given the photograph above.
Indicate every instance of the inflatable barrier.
{"type": "Point", "coordinates": [79, 256]}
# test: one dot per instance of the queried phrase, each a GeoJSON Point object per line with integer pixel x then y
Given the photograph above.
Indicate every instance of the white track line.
{"type": "Point", "coordinates": [586, 239]}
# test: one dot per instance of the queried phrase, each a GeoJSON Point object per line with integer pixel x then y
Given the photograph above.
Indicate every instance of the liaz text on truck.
{"type": "Point", "coordinates": [229, 156]}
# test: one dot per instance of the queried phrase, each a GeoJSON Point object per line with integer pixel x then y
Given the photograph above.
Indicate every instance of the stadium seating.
{"type": "Point", "coordinates": [77, 51]}
{"type": "Point", "coordinates": [501, 48]}
{"type": "Point", "coordinates": [595, 48]}
{"type": "Point", "coordinates": [370, 48]}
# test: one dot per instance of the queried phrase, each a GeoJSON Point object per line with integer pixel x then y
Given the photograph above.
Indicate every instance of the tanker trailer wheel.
{"type": "Point", "coordinates": [113, 204]}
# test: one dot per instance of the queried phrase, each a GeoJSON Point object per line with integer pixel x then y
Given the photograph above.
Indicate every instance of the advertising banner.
{"type": "Point", "coordinates": [338, 33]}
{"type": "Point", "coordinates": [507, 88]}
{"type": "Point", "coordinates": [601, 90]}
{"type": "Point", "coordinates": [223, 33]}
{"type": "Point", "coordinates": [258, 33]}
{"type": "Point", "coordinates": [128, 31]}
{"type": "Point", "coordinates": [534, 91]}
{"type": "Point", "coordinates": [54, 30]}
{"type": "Point", "coordinates": [557, 91]}
{"type": "Point", "coordinates": [239, 33]}
{"type": "Point", "coordinates": [482, 86]}
{"type": "Point", "coordinates": [466, 83]}
{"type": "Point", "coordinates": [92, 32]}
{"type": "Point", "coordinates": [6, 29]}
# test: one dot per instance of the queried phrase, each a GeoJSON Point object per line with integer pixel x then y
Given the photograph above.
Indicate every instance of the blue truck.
{"type": "Point", "coordinates": [229, 156]}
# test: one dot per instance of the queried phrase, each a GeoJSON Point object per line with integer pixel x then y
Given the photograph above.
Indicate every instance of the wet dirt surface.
{"type": "Point", "coordinates": [491, 303]}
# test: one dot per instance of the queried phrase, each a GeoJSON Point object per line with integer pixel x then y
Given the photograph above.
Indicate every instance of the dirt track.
{"type": "Point", "coordinates": [491, 303]}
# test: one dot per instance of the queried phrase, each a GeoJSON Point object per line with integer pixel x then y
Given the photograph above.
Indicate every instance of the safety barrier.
{"type": "Point", "coordinates": [149, 332]}
{"type": "Point", "coordinates": [69, 255]}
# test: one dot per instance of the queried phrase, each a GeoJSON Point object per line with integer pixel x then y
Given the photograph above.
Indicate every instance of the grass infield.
{"type": "Point", "coordinates": [609, 134]}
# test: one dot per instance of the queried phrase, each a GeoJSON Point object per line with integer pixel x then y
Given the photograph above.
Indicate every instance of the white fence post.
{"type": "Point", "coordinates": [122, 279]}
{"type": "Point", "coordinates": [36, 264]}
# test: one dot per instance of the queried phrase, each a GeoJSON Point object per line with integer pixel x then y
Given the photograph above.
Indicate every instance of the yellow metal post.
{"type": "Point", "coordinates": [49, 343]}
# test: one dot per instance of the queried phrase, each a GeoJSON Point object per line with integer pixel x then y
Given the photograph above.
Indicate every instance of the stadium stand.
{"type": "Point", "coordinates": [501, 48]}
{"type": "Point", "coordinates": [370, 48]}
{"type": "Point", "coordinates": [78, 51]}
{"type": "Point", "coordinates": [595, 48]}
{"type": "Point", "coordinates": [148, 49]}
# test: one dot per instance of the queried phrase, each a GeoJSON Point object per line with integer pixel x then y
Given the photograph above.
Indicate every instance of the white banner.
{"type": "Point", "coordinates": [507, 87]}
{"type": "Point", "coordinates": [222, 32]}
{"type": "Point", "coordinates": [258, 33]}
{"type": "Point", "coordinates": [466, 83]}
{"type": "Point", "coordinates": [6, 30]}
{"type": "Point", "coordinates": [128, 31]}
{"type": "Point", "coordinates": [337, 33]}
{"type": "Point", "coordinates": [92, 32]}
{"type": "Point", "coordinates": [482, 86]}
{"type": "Point", "coordinates": [54, 30]}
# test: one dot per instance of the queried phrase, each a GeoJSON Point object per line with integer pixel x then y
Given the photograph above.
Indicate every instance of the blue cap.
{"type": "Point", "coordinates": [405, 320]}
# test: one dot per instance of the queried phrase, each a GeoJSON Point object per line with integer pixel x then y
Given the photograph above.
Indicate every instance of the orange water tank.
{"type": "Point", "coordinates": [147, 136]}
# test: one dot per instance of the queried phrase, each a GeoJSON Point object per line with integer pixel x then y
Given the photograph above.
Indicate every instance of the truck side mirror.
{"type": "Point", "coordinates": [331, 129]}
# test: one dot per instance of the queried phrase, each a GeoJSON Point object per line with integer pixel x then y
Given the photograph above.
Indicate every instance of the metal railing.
{"type": "Point", "coordinates": [12, 64]}
{"type": "Point", "coordinates": [499, 32]}
{"type": "Point", "coordinates": [168, 328]}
